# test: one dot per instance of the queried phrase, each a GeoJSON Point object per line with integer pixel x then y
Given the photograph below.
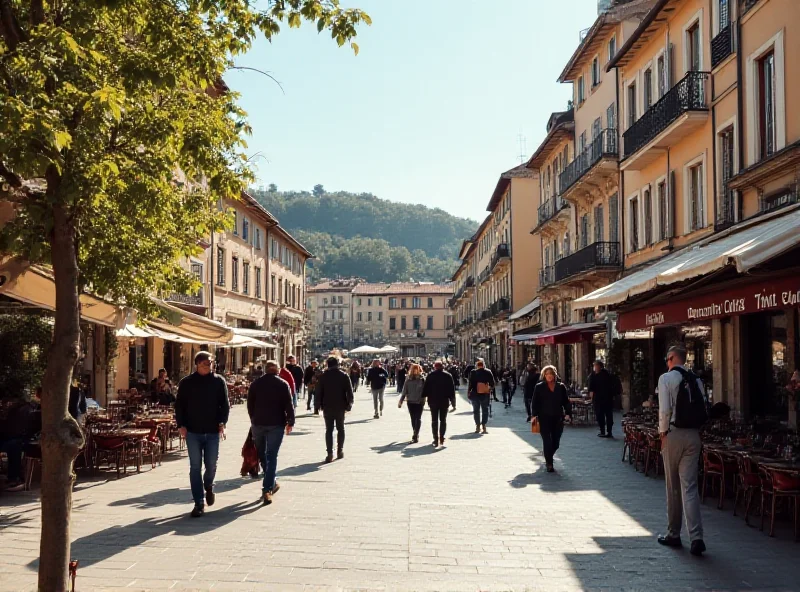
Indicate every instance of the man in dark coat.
{"type": "Point", "coordinates": [334, 397]}
{"type": "Point", "coordinates": [601, 391]}
{"type": "Point", "coordinates": [310, 380]}
{"type": "Point", "coordinates": [440, 391]}
{"type": "Point", "coordinates": [297, 373]}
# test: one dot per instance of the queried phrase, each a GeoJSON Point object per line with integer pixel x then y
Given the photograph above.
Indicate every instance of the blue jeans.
{"type": "Point", "coordinates": [268, 441]}
{"type": "Point", "coordinates": [480, 409]}
{"type": "Point", "coordinates": [202, 448]}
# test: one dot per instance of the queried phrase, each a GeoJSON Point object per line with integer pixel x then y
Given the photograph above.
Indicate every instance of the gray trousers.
{"type": "Point", "coordinates": [681, 453]}
{"type": "Point", "coordinates": [377, 398]}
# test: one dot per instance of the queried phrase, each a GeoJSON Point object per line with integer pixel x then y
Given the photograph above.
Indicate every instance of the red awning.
{"type": "Point", "coordinates": [568, 334]}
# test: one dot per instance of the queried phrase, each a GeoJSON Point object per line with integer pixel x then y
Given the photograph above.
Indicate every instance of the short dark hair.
{"type": "Point", "coordinates": [679, 351]}
{"type": "Point", "coordinates": [333, 362]}
{"type": "Point", "coordinates": [600, 363]}
{"type": "Point", "coordinates": [202, 356]}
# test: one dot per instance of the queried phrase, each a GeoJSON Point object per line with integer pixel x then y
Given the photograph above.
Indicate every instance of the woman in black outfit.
{"type": "Point", "coordinates": [551, 407]}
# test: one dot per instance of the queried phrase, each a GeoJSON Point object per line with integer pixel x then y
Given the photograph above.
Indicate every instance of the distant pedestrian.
{"type": "Point", "coordinates": [377, 378]}
{"type": "Point", "coordinates": [531, 380]}
{"type": "Point", "coordinates": [310, 380]}
{"type": "Point", "coordinates": [286, 375]}
{"type": "Point", "coordinates": [412, 390]}
{"type": "Point", "coordinates": [551, 407]}
{"type": "Point", "coordinates": [439, 391]}
{"type": "Point", "coordinates": [481, 384]}
{"type": "Point", "coordinates": [334, 397]}
{"type": "Point", "coordinates": [201, 412]}
{"type": "Point", "coordinates": [271, 410]}
{"type": "Point", "coordinates": [601, 391]}
{"type": "Point", "coordinates": [454, 372]}
{"type": "Point", "coordinates": [355, 374]}
{"type": "Point", "coordinates": [297, 374]}
{"type": "Point", "coordinates": [401, 375]}
{"type": "Point", "coordinates": [681, 414]}
{"type": "Point", "coordinates": [506, 382]}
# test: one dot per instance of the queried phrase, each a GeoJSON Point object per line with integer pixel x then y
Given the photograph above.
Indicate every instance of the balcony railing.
{"type": "Point", "coordinates": [688, 95]}
{"type": "Point", "coordinates": [484, 275]}
{"type": "Point", "coordinates": [721, 46]}
{"type": "Point", "coordinates": [501, 305]}
{"type": "Point", "coordinates": [597, 255]}
{"type": "Point", "coordinates": [547, 276]}
{"type": "Point", "coordinates": [501, 252]}
{"type": "Point", "coordinates": [603, 146]}
{"type": "Point", "coordinates": [775, 202]}
{"type": "Point", "coordinates": [188, 299]}
{"type": "Point", "coordinates": [550, 208]}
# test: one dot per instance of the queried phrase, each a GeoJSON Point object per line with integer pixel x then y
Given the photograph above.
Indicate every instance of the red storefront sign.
{"type": "Point", "coordinates": [766, 295]}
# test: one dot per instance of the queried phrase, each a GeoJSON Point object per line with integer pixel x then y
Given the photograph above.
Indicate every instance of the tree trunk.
{"type": "Point", "coordinates": [61, 436]}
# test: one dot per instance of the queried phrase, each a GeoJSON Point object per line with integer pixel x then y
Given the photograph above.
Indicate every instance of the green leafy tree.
{"type": "Point", "coordinates": [118, 140]}
{"type": "Point", "coordinates": [319, 190]}
{"type": "Point", "coordinates": [272, 188]}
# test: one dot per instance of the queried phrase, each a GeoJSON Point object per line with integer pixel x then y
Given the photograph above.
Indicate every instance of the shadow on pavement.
{"type": "Point", "coordinates": [300, 470]}
{"type": "Point", "coordinates": [357, 421]}
{"type": "Point", "coordinates": [182, 495]}
{"type": "Point", "coordinates": [467, 436]}
{"type": "Point", "coordinates": [104, 544]}
{"type": "Point", "coordinates": [394, 446]}
{"type": "Point", "coordinates": [420, 451]}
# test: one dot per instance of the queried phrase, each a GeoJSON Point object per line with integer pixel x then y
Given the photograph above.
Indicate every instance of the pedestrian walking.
{"type": "Point", "coordinates": [271, 410]}
{"type": "Point", "coordinates": [201, 412]}
{"type": "Point", "coordinates": [310, 378]}
{"type": "Point", "coordinates": [286, 375]}
{"type": "Point", "coordinates": [297, 374]}
{"type": "Point", "coordinates": [601, 392]}
{"type": "Point", "coordinates": [355, 375]}
{"type": "Point", "coordinates": [440, 392]}
{"type": "Point", "coordinates": [334, 397]}
{"type": "Point", "coordinates": [412, 390]}
{"type": "Point", "coordinates": [481, 384]}
{"type": "Point", "coordinates": [401, 375]}
{"type": "Point", "coordinates": [551, 407]}
{"type": "Point", "coordinates": [681, 414]}
{"type": "Point", "coordinates": [531, 380]}
{"type": "Point", "coordinates": [454, 373]}
{"type": "Point", "coordinates": [505, 383]}
{"type": "Point", "coordinates": [377, 378]}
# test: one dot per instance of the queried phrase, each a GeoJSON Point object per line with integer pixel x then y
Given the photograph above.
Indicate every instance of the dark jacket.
{"type": "Point", "coordinates": [297, 374]}
{"type": "Point", "coordinates": [530, 383]}
{"type": "Point", "coordinates": [308, 376]}
{"type": "Point", "coordinates": [269, 401]}
{"type": "Point", "coordinates": [439, 389]}
{"type": "Point", "coordinates": [77, 402]}
{"type": "Point", "coordinates": [334, 392]}
{"type": "Point", "coordinates": [479, 375]}
{"type": "Point", "coordinates": [377, 377]}
{"type": "Point", "coordinates": [602, 385]}
{"type": "Point", "coordinates": [202, 403]}
{"type": "Point", "coordinates": [551, 404]}
{"type": "Point", "coordinates": [414, 390]}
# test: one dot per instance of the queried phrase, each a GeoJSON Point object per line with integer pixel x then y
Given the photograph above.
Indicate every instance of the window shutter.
{"type": "Point", "coordinates": [671, 206]}
{"type": "Point", "coordinates": [671, 67]}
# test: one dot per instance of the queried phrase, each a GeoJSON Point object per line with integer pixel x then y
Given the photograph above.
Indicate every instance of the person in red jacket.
{"type": "Point", "coordinates": [287, 375]}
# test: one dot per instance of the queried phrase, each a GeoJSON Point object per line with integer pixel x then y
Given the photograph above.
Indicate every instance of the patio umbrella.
{"type": "Point", "coordinates": [388, 349]}
{"type": "Point", "coordinates": [365, 349]}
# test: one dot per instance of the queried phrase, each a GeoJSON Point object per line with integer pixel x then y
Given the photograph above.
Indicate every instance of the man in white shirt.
{"type": "Point", "coordinates": [680, 450]}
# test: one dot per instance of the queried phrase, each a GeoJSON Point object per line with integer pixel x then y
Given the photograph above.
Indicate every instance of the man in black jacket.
{"type": "Point", "coordinates": [601, 391]}
{"type": "Point", "coordinates": [527, 390]}
{"type": "Point", "coordinates": [440, 390]}
{"type": "Point", "coordinates": [201, 412]}
{"type": "Point", "coordinates": [297, 373]}
{"type": "Point", "coordinates": [271, 411]}
{"type": "Point", "coordinates": [377, 377]}
{"type": "Point", "coordinates": [310, 380]}
{"type": "Point", "coordinates": [334, 396]}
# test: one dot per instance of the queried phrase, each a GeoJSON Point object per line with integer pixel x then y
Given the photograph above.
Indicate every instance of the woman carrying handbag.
{"type": "Point", "coordinates": [551, 407]}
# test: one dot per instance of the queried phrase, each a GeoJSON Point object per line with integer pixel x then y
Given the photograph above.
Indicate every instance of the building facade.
{"type": "Point", "coordinates": [329, 306]}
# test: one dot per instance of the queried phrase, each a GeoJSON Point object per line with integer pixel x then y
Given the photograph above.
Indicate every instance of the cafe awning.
{"type": "Point", "coordinates": [526, 310]}
{"type": "Point", "coordinates": [568, 334]}
{"type": "Point", "coordinates": [244, 341]}
{"type": "Point", "coordinates": [744, 247]}
{"type": "Point", "coordinates": [191, 327]}
{"type": "Point", "coordinates": [34, 285]}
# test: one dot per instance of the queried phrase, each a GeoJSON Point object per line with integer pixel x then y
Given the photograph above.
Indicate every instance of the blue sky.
{"type": "Point", "coordinates": [429, 111]}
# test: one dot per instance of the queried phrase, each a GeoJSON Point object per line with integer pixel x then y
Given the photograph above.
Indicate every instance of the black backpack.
{"type": "Point", "coordinates": [690, 404]}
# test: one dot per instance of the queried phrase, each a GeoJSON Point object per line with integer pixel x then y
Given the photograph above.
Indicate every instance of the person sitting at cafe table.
{"type": "Point", "coordinates": [161, 388]}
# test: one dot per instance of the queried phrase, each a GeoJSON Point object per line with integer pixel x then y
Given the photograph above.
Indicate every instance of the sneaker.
{"type": "Point", "coordinates": [276, 488]}
{"type": "Point", "coordinates": [328, 459]}
{"type": "Point", "coordinates": [340, 454]}
{"type": "Point", "coordinates": [14, 486]}
{"type": "Point", "coordinates": [267, 498]}
{"type": "Point", "coordinates": [441, 441]}
{"type": "Point", "coordinates": [483, 429]}
{"type": "Point", "coordinates": [698, 548]}
{"type": "Point", "coordinates": [210, 497]}
{"type": "Point", "coordinates": [198, 511]}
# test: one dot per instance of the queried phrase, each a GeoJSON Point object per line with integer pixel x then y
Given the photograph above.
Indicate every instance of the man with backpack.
{"type": "Point", "coordinates": [682, 412]}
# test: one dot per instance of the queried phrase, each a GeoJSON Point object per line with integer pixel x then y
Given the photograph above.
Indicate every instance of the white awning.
{"type": "Point", "coordinates": [364, 349]}
{"type": "Point", "coordinates": [34, 285]}
{"type": "Point", "coordinates": [257, 333]}
{"type": "Point", "coordinates": [243, 341]}
{"type": "Point", "coordinates": [745, 247]}
{"type": "Point", "coordinates": [189, 327]}
{"type": "Point", "coordinates": [526, 310]}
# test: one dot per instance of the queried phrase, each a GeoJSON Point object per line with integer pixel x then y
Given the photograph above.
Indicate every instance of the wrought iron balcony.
{"type": "Point", "coordinates": [721, 46]}
{"type": "Point", "coordinates": [687, 95]}
{"type": "Point", "coordinates": [596, 256]}
{"type": "Point", "coordinates": [484, 275]}
{"type": "Point", "coordinates": [500, 306]}
{"type": "Point", "coordinates": [603, 146]}
{"type": "Point", "coordinates": [188, 299]}
{"type": "Point", "coordinates": [550, 208]}
{"type": "Point", "coordinates": [547, 276]}
{"type": "Point", "coordinates": [500, 253]}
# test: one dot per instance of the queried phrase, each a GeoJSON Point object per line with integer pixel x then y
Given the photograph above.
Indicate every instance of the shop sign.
{"type": "Point", "coordinates": [770, 295]}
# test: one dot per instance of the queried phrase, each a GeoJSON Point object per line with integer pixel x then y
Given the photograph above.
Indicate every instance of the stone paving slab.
{"type": "Point", "coordinates": [479, 514]}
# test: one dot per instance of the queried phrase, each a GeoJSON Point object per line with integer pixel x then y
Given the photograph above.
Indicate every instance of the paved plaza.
{"type": "Point", "coordinates": [478, 514]}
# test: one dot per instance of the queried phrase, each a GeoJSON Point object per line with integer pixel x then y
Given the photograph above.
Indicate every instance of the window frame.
{"type": "Point", "coordinates": [695, 21]}
{"type": "Point", "coordinates": [775, 45]}
{"type": "Point", "coordinates": [699, 161]}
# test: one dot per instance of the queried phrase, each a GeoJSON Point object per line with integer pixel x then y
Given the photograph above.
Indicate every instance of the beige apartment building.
{"type": "Point", "coordinates": [329, 305]}
{"type": "Point", "coordinates": [709, 170]}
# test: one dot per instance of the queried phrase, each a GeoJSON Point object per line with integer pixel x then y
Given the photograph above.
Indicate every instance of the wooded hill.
{"type": "Point", "coordinates": [362, 235]}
